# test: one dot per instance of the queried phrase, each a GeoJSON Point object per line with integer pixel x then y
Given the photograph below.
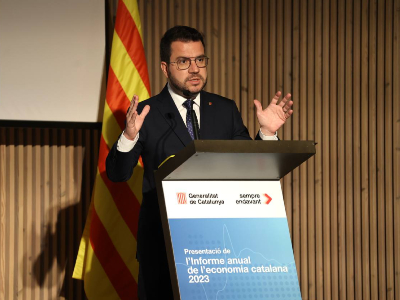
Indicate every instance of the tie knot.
{"type": "Point", "coordinates": [188, 104]}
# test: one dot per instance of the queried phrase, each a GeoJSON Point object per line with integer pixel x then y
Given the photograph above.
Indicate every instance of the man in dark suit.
{"type": "Point", "coordinates": [161, 131]}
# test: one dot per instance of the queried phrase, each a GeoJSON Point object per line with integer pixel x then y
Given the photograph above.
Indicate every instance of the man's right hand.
{"type": "Point", "coordinates": [134, 121]}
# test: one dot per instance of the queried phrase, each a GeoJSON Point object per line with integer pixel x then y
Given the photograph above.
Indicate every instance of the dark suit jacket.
{"type": "Point", "coordinates": [163, 134]}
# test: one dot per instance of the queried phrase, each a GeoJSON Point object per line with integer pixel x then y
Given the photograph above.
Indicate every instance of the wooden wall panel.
{"type": "Point", "coordinates": [341, 152]}
{"type": "Point", "coordinates": [340, 61]}
{"type": "Point", "coordinates": [396, 144]}
{"type": "Point", "coordinates": [46, 179]}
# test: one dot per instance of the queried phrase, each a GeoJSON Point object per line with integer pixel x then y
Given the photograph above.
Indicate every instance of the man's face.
{"type": "Point", "coordinates": [190, 82]}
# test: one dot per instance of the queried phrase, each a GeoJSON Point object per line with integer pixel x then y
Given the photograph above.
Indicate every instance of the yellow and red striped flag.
{"type": "Point", "coordinates": [107, 254]}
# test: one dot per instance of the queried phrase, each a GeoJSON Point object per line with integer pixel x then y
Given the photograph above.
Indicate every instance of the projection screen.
{"type": "Point", "coordinates": [52, 60]}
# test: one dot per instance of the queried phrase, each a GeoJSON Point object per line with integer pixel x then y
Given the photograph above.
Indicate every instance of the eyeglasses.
{"type": "Point", "coordinates": [183, 63]}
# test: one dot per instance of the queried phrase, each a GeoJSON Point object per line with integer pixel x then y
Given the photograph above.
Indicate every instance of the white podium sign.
{"type": "Point", "coordinates": [230, 240]}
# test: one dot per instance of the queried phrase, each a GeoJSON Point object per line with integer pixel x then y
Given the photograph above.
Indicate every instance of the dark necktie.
{"type": "Point", "coordinates": [188, 104]}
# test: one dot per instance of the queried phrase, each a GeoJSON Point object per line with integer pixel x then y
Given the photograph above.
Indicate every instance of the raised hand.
{"type": "Point", "coordinates": [134, 121]}
{"type": "Point", "coordinates": [275, 115]}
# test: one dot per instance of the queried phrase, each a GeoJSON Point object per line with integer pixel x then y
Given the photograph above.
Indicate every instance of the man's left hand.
{"type": "Point", "coordinates": [275, 115]}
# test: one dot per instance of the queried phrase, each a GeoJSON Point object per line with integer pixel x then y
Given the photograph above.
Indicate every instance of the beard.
{"type": "Point", "coordinates": [181, 89]}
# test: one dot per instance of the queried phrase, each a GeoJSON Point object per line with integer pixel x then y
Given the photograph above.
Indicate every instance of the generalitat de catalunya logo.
{"type": "Point", "coordinates": [181, 198]}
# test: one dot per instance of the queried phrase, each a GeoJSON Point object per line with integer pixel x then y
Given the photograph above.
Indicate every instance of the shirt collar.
{"type": "Point", "coordinates": [179, 100]}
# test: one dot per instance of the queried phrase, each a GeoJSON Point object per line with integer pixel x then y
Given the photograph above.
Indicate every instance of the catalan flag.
{"type": "Point", "coordinates": [107, 254]}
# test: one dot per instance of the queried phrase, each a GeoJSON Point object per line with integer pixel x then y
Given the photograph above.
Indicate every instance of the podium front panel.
{"type": "Point", "coordinates": [230, 240]}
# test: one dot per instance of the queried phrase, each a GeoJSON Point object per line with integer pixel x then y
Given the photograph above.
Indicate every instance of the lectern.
{"type": "Point", "coordinates": [224, 219]}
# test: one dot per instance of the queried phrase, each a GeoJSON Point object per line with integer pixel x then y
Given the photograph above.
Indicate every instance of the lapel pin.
{"type": "Point", "coordinates": [209, 103]}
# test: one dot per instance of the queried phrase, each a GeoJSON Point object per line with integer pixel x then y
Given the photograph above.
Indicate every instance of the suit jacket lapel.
{"type": "Point", "coordinates": [206, 115]}
{"type": "Point", "coordinates": [170, 113]}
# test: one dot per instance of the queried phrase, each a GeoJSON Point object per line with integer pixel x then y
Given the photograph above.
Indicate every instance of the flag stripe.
{"type": "Point", "coordinates": [118, 231]}
{"type": "Point", "coordinates": [125, 200]}
{"type": "Point", "coordinates": [97, 284]}
{"type": "Point", "coordinates": [112, 131]}
{"type": "Point", "coordinates": [117, 272]}
{"type": "Point", "coordinates": [79, 269]}
{"type": "Point", "coordinates": [133, 9]}
{"type": "Point", "coordinates": [116, 99]}
{"type": "Point", "coordinates": [130, 37]}
{"type": "Point", "coordinates": [126, 71]}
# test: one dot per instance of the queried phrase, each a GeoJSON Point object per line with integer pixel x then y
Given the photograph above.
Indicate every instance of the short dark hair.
{"type": "Point", "coordinates": [178, 33]}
